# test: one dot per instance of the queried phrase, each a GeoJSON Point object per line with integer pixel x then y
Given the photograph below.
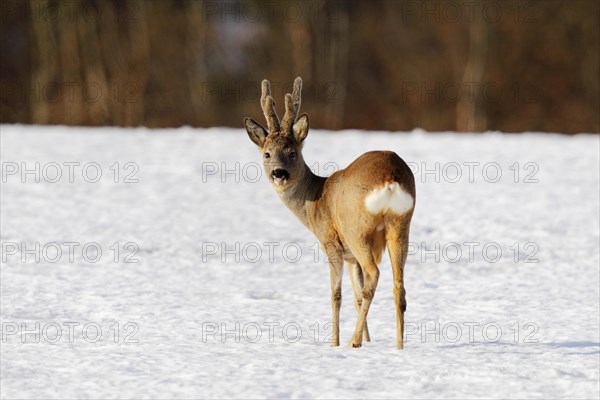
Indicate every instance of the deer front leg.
{"type": "Point", "coordinates": [336, 269]}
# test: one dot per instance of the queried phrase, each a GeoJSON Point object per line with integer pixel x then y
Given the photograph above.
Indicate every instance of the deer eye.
{"type": "Point", "coordinates": [293, 154]}
{"type": "Point", "coordinates": [267, 155]}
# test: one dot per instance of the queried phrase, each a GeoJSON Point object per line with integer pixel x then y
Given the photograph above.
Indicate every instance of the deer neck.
{"type": "Point", "coordinates": [303, 195]}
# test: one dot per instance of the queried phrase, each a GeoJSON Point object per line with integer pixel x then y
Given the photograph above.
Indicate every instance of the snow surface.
{"type": "Point", "coordinates": [176, 309]}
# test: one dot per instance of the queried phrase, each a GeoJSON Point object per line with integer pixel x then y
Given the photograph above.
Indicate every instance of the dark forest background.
{"type": "Point", "coordinates": [462, 65]}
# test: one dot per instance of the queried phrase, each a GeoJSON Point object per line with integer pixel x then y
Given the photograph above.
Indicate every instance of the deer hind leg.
{"type": "Point", "coordinates": [364, 254]}
{"type": "Point", "coordinates": [397, 243]}
{"type": "Point", "coordinates": [356, 277]}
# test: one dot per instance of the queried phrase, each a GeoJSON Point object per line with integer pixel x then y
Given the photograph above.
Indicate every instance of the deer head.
{"type": "Point", "coordinates": [281, 144]}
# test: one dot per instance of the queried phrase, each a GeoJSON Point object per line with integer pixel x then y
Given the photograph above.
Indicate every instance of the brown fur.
{"type": "Point", "coordinates": [334, 210]}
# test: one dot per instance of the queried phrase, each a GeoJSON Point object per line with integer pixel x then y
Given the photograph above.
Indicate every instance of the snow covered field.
{"type": "Point", "coordinates": [229, 296]}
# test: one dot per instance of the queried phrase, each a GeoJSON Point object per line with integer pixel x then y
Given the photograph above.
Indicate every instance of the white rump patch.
{"type": "Point", "coordinates": [391, 197]}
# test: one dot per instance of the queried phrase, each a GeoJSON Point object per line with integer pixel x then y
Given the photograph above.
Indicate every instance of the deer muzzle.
{"type": "Point", "coordinates": [280, 176]}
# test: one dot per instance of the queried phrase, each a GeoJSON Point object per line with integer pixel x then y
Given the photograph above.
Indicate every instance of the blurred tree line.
{"type": "Point", "coordinates": [462, 65]}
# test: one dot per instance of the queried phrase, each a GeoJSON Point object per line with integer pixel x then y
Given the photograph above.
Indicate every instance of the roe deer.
{"type": "Point", "coordinates": [354, 213]}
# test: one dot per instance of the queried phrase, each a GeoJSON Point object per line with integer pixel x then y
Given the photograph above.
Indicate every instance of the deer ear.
{"type": "Point", "coordinates": [301, 128]}
{"type": "Point", "coordinates": [257, 133]}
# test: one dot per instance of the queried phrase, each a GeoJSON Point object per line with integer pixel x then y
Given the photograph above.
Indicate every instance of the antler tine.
{"type": "Point", "coordinates": [292, 105]}
{"type": "Point", "coordinates": [268, 106]}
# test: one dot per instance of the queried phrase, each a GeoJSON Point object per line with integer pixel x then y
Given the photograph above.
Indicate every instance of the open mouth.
{"type": "Point", "coordinates": [280, 176]}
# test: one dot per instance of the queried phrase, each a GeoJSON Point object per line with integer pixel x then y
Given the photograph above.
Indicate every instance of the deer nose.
{"type": "Point", "coordinates": [280, 173]}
